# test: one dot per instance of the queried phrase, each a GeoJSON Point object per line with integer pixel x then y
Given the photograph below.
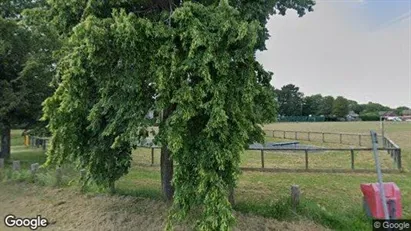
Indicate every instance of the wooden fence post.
{"type": "Point", "coordinates": [352, 159]}
{"type": "Point", "coordinates": [34, 168]}
{"type": "Point", "coordinates": [273, 133]}
{"type": "Point", "coordinates": [399, 159]}
{"type": "Point", "coordinates": [295, 135]}
{"type": "Point", "coordinates": [309, 136]}
{"type": "Point", "coordinates": [295, 196]}
{"type": "Point", "coordinates": [1, 163]}
{"type": "Point", "coordinates": [306, 159]}
{"type": "Point", "coordinates": [16, 165]}
{"type": "Point", "coordinates": [152, 156]}
{"type": "Point", "coordinates": [284, 134]}
{"type": "Point", "coordinates": [323, 137]}
{"type": "Point", "coordinates": [359, 140]}
{"type": "Point", "coordinates": [340, 138]}
{"type": "Point", "coordinates": [59, 176]}
{"type": "Point", "coordinates": [262, 158]}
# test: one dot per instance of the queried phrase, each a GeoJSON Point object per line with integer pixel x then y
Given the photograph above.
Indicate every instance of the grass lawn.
{"type": "Point", "coordinates": [331, 199]}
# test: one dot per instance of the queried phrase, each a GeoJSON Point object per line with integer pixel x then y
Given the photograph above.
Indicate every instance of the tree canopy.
{"type": "Point", "coordinates": [290, 100]}
{"type": "Point", "coordinates": [191, 62]}
{"type": "Point", "coordinates": [340, 107]}
{"type": "Point", "coordinates": [26, 63]}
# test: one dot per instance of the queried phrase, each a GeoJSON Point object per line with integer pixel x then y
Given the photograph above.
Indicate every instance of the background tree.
{"type": "Point", "coordinates": [290, 100]}
{"type": "Point", "coordinates": [14, 44]}
{"type": "Point", "coordinates": [354, 106]}
{"type": "Point", "coordinates": [26, 47]}
{"type": "Point", "coordinates": [375, 107]}
{"type": "Point", "coordinates": [340, 107]}
{"type": "Point", "coordinates": [14, 9]}
{"type": "Point", "coordinates": [312, 105]}
{"type": "Point", "coordinates": [399, 110]}
{"type": "Point", "coordinates": [326, 107]}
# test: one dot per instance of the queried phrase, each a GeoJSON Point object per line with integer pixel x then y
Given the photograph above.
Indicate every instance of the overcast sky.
{"type": "Point", "coordinates": [360, 49]}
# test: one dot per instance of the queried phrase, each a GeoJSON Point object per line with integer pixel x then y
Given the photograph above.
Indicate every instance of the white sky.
{"type": "Point", "coordinates": [350, 48]}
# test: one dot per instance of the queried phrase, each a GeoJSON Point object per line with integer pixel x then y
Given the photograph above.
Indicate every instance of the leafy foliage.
{"type": "Point", "coordinates": [326, 107]}
{"type": "Point", "coordinates": [27, 43]}
{"type": "Point", "coordinates": [103, 66]}
{"type": "Point", "coordinates": [340, 107]}
{"type": "Point", "coordinates": [290, 100]}
{"type": "Point", "coordinates": [14, 47]}
{"type": "Point", "coordinates": [214, 107]}
{"type": "Point", "coordinates": [194, 62]}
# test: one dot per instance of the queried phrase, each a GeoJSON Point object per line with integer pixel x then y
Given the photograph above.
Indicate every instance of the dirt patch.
{"type": "Point", "coordinates": [67, 209]}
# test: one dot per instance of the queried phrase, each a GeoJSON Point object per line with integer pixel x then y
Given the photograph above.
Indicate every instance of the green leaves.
{"type": "Point", "coordinates": [194, 62]}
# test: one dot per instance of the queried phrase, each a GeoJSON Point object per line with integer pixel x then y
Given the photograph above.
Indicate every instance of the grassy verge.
{"type": "Point", "coordinates": [333, 200]}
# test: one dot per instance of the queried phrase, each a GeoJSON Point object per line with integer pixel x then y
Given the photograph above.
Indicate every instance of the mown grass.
{"type": "Point", "coordinates": [333, 200]}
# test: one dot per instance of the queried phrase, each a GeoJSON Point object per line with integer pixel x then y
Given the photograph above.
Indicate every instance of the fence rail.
{"type": "Point", "coordinates": [36, 141]}
{"type": "Point", "coordinates": [388, 145]}
{"type": "Point", "coordinates": [339, 137]}
{"type": "Point", "coordinates": [393, 149]}
{"type": "Point", "coordinates": [324, 137]}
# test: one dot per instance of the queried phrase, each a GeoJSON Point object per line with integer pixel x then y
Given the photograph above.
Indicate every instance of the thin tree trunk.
{"type": "Point", "coordinates": [166, 163]}
{"type": "Point", "coordinates": [231, 196]}
{"type": "Point", "coordinates": [112, 187]}
{"type": "Point", "coordinates": [166, 173]}
{"type": "Point", "coordinates": [5, 142]}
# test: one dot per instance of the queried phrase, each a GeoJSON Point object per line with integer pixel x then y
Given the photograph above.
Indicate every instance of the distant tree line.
{"type": "Point", "coordinates": [292, 102]}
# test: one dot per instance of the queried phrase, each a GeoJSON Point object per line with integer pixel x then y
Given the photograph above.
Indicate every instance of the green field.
{"type": "Point", "coordinates": [331, 199]}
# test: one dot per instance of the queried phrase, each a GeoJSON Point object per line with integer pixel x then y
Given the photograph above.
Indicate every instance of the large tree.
{"type": "Point", "coordinates": [312, 105]}
{"type": "Point", "coordinates": [14, 44]}
{"type": "Point", "coordinates": [400, 110]}
{"type": "Point", "coordinates": [192, 62]}
{"type": "Point", "coordinates": [375, 107]}
{"type": "Point", "coordinates": [26, 64]}
{"type": "Point", "coordinates": [290, 100]}
{"type": "Point", "coordinates": [340, 107]}
{"type": "Point", "coordinates": [326, 107]}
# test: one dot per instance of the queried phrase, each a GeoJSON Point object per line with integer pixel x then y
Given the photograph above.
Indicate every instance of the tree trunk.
{"type": "Point", "coordinates": [166, 163]}
{"type": "Point", "coordinates": [5, 142]}
{"type": "Point", "coordinates": [231, 196]}
{"type": "Point", "coordinates": [166, 173]}
{"type": "Point", "coordinates": [112, 187]}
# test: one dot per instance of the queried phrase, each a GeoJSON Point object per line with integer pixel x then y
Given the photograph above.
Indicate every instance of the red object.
{"type": "Point", "coordinates": [373, 199]}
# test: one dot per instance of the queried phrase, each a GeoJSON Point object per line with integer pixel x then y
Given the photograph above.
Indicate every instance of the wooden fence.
{"type": "Point", "coordinates": [36, 141]}
{"type": "Point", "coordinates": [324, 137]}
{"type": "Point", "coordinates": [389, 146]}
{"type": "Point", "coordinates": [342, 138]}
{"type": "Point", "coordinates": [393, 149]}
{"type": "Point", "coordinates": [350, 150]}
